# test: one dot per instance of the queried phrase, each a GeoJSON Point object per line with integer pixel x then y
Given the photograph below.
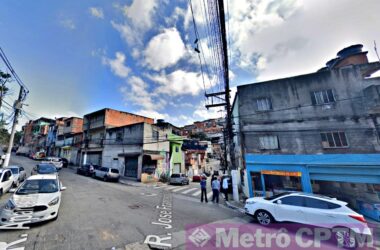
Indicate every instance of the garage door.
{"type": "Point", "coordinates": [131, 166]}
{"type": "Point", "coordinates": [94, 158]}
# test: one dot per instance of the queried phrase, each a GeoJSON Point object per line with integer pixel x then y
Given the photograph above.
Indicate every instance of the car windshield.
{"type": "Point", "coordinates": [175, 175]}
{"type": "Point", "coordinates": [116, 171]}
{"type": "Point", "coordinates": [46, 169]}
{"type": "Point", "coordinates": [38, 186]}
{"type": "Point", "coordinates": [14, 170]}
{"type": "Point", "coordinates": [276, 196]}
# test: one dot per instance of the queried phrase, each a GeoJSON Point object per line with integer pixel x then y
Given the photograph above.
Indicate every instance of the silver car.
{"type": "Point", "coordinates": [107, 174]}
{"type": "Point", "coordinates": [179, 179]}
{"type": "Point", "coordinates": [19, 174]}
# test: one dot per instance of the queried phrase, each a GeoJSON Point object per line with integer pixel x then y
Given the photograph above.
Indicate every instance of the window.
{"type": "Point", "coordinates": [268, 142]}
{"type": "Point", "coordinates": [176, 149]}
{"type": "Point", "coordinates": [68, 124]}
{"type": "Point", "coordinates": [293, 201]}
{"type": "Point", "coordinates": [320, 204]}
{"type": "Point", "coordinates": [322, 97]}
{"type": "Point", "coordinates": [119, 136]}
{"type": "Point", "coordinates": [334, 140]}
{"type": "Point", "coordinates": [155, 135]}
{"type": "Point", "coordinates": [263, 104]}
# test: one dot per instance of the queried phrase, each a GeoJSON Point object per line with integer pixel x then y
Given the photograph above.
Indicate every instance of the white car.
{"type": "Point", "coordinates": [6, 180]}
{"type": "Point", "coordinates": [107, 174]}
{"type": "Point", "coordinates": [19, 174]}
{"type": "Point", "coordinates": [55, 161]}
{"type": "Point", "coordinates": [37, 199]}
{"type": "Point", "coordinates": [309, 209]}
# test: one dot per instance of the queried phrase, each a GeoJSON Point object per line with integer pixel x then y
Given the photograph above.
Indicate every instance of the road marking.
{"type": "Point", "coordinates": [179, 189]}
{"type": "Point", "coordinates": [189, 190]}
{"type": "Point", "coordinates": [197, 193]}
{"type": "Point", "coordinates": [171, 187]}
{"type": "Point", "coordinates": [209, 195]}
{"type": "Point", "coordinates": [157, 187]}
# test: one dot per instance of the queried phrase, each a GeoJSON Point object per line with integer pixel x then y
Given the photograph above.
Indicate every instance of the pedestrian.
{"type": "Point", "coordinates": [203, 189]}
{"type": "Point", "coordinates": [225, 187]}
{"type": "Point", "coordinates": [215, 190]}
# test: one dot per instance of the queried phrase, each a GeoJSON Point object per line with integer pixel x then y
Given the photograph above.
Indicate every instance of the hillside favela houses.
{"type": "Point", "coordinates": [317, 132]}
{"type": "Point", "coordinates": [134, 144]}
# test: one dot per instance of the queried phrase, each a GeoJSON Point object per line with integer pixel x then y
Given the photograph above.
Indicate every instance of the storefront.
{"type": "Point", "coordinates": [354, 178]}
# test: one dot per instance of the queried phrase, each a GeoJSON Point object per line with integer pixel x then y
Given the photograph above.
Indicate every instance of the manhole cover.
{"type": "Point", "coordinates": [135, 206]}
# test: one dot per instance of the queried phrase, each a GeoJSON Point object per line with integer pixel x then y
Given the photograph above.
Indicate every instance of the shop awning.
{"type": "Point", "coordinates": [155, 157]}
{"type": "Point", "coordinates": [66, 147]}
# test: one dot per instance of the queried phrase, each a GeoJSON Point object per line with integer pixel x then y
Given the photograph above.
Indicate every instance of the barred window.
{"type": "Point", "coordinates": [263, 104]}
{"type": "Point", "coordinates": [322, 97]}
{"type": "Point", "coordinates": [334, 140]}
{"type": "Point", "coordinates": [268, 142]}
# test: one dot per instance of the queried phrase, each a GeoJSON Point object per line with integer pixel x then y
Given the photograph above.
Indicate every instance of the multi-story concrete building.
{"type": "Point", "coordinates": [137, 148]}
{"type": "Point", "coordinates": [65, 145]}
{"type": "Point", "coordinates": [35, 133]}
{"type": "Point", "coordinates": [95, 125]}
{"type": "Point", "coordinates": [332, 111]}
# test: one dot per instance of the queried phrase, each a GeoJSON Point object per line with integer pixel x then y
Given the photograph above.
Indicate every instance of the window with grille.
{"type": "Point", "coordinates": [268, 142]}
{"type": "Point", "coordinates": [334, 140]}
{"type": "Point", "coordinates": [263, 104]}
{"type": "Point", "coordinates": [119, 136]}
{"type": "Point", "coordinates": [155, 135]}
{"type": "Point", "coordinates": [322, 97]}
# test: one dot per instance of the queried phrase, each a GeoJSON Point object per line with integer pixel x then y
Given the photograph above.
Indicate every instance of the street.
{"type": "Point", "coordinates": [99, 215]}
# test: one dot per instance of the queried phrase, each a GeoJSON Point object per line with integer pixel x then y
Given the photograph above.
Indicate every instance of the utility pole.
{"type": "Point", "coordinates": [229, 134]}
{"type": "Point", "coordinates": [17, 107]}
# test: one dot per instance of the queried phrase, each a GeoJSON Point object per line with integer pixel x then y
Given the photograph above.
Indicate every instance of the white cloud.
{"type": "Point", "coordinates": [141, 12]}
{"type": "Point", "coordinates": [283, 38]}
{"type": "Point", "coordinates": [96, 12]}
{"type": "Point", "coordinates": [68, 24]}
{"type": "Point", "coordinates": [138, 94]}
{"type": "Point", "coordinates": [165, 49]}
{"type": "Point", "coordinates": [153, 114]}
{"type": "Point", "coordinates": [139, 20]}
{"type": "Point", "coordinates": [179, 82]}
{"type": "Point", "coordinates": [117, 65]}
{"type": "Point", "coordinates": [135, 53]}
{"type": "Point", "coordinates": [201, 113]}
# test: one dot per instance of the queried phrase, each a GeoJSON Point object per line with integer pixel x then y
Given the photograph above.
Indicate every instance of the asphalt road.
{"type": "Point", "coordinates": [102, 215]}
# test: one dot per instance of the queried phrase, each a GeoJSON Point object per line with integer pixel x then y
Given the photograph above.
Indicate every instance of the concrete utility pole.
{"type": "Point", "coordinates": [17, 107]}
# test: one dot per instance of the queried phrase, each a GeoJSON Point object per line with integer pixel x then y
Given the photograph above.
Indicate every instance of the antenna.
{"type": "Point", "coordinates": [375, 47]}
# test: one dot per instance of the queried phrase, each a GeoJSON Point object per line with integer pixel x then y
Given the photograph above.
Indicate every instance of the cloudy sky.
{"type": "Point", "coordinates": [80, 56]}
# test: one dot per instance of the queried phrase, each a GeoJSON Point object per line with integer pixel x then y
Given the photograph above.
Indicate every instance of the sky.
{"type": "Point", "coordinates": [138, 56]}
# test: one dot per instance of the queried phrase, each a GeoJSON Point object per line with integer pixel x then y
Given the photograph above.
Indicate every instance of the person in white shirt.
{"type": "Point", "coordinates": [225, 187]}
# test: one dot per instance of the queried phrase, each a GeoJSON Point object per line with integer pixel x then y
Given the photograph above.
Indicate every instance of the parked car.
{"type": "Point", "coordinates": [19, 174]}
{"type": "Point", "coordinates": [44, 168]}
{"type": "Point", "coordinates": [179, 179]}
{"type": "Point", "coordinates": [2, 156]}
{"type": "Point", "coordinates": [40, 194]}
{"type": "Point", "coordinates": [6, 180]}
{"type": "Point", "coordinates": [38, 155]}
{"type": "Point", "coordinates": [197, 178]}
{"type": "Point", "coordinates": [87, 169]}
{"type": "Point", "coordinates": [309, 209]}
{"type": "Point", "coordinates": [107, 173]}
{"type": "Point", "coordinates": [56, 161]}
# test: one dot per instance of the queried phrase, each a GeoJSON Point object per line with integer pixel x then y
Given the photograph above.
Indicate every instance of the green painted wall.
{"type": "Point", "coordinates": [175, 147]}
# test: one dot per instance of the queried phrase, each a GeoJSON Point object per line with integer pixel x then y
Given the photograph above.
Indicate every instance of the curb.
{"type": "Point", "coordinates": [229, 205]}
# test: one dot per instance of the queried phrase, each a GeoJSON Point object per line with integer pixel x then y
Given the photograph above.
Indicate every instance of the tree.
{"type": "Point", "coordinates": [4, 134]}
{"type": "Point", "coordinates": [18, 136]}
{"type": "Point", "coordinates": [4, 78]}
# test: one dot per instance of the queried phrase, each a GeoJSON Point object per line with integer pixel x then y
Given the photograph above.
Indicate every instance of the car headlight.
{"type": "Point", "coordinates": [10, 205]}
{"type": "Point", "coordinates": [249, 202]}
{"type": "Point", "coordinates": [54, 201]}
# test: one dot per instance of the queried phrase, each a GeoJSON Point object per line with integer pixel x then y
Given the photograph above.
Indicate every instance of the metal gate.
{"type": "Point", "coordinates": [131, 166]}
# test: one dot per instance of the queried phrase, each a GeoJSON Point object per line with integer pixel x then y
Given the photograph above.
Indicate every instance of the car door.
{"type": "Point", "coordinates": [22, 173]}
{"type": "Point", "coordinates": [7, 181]}
{"type": "Point", "coordinates": [290, 209]}
{"type": "Point", "coordinates": [318, 212]}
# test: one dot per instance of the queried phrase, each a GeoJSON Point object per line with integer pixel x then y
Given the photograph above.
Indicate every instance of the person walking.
{"type": "Point", "coordinates": [225, 187]}
{"type": "Point", "coordinates": [203, 189]}
{"type": "Point", "coordinates": [215, 190]}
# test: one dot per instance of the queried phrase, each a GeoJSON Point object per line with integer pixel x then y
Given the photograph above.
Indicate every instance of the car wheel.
{"type": "Point", "coordinates": [263, 217]}
{"type": "Point", "coordinates": [1, 192]}
{"type": "Point", "coordinates": [345, 238]}
{"type": "Point", "coordinates": [105, 178]}
{"type": "Point", "coordinates": [16, 184]}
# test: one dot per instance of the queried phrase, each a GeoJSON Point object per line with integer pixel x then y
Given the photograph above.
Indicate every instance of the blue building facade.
{"type": "Point", "coordinates": [354, 178]}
